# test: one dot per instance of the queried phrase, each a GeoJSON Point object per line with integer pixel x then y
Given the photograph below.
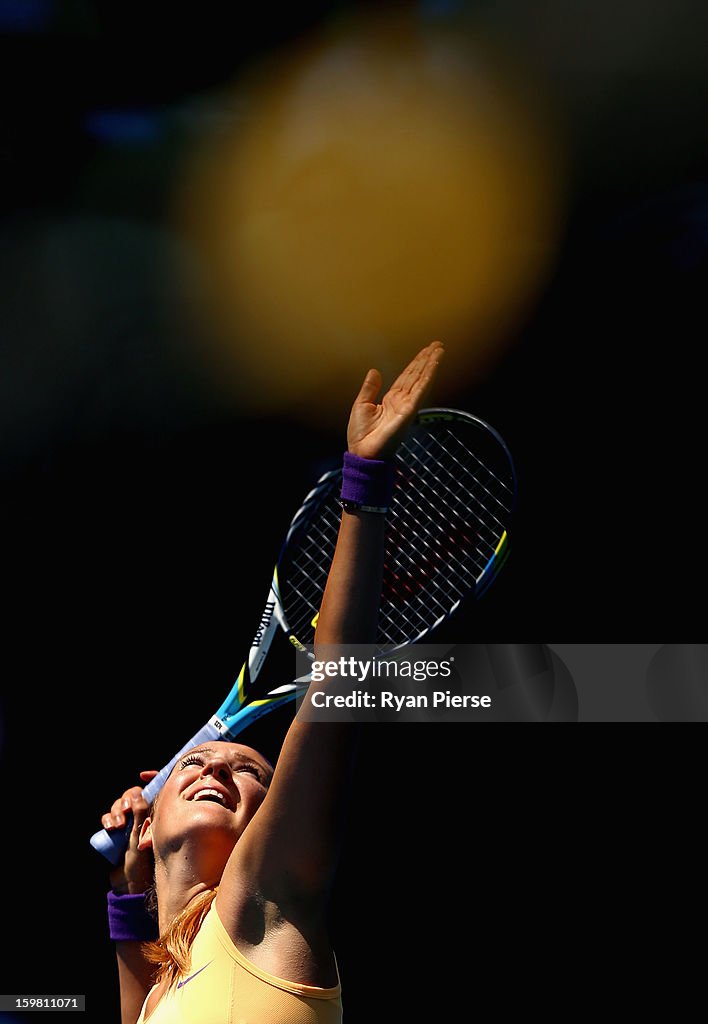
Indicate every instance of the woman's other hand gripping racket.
{"type": "Point", "coordinates": [134, 872]}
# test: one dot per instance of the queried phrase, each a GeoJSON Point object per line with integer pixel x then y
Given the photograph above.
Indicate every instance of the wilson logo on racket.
{"type": "Point", "coordinates": [264, 623]}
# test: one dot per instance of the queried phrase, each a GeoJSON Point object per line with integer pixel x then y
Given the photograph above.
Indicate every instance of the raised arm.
{"type": "Point", "coordinates": [350, 603]}
{"type": "Point", "coordinates": [130, 925]}
{"type": "Point", "coordinates": [282, 867]}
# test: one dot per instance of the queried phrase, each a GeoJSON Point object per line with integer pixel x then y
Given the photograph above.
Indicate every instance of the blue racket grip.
{"type": "Point", "coordinates": [112, 845]}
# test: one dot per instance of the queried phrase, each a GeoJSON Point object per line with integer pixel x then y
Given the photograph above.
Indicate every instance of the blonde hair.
{"type": "Point", "coordinates": [173, 951]}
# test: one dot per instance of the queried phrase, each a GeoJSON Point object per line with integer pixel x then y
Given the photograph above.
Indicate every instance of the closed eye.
{"type": "Point", "coordinates": [253, 769]}
{"type": "Point", "coordinates": [191, 759]}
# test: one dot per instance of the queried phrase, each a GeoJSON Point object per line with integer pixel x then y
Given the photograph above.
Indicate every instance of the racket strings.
{"type": "Point", "coordinates": [308, 568]}
{"type": "Point", "coordinates": [488, 500]}
{"type": "Point", "coordinates": [446, 524]}
{"type": "Point", "coordinates": [451, 502]}
{"type": "Point", "coordinates": [415, 518]}
{"type": "Point", "coordinates": [447, 500]}
{"type": "Point", "coordinates": [448, 540]}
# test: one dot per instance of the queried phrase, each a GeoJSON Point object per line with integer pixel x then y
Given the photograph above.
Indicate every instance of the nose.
{"type": "Point", "coordinates": [217, 767]}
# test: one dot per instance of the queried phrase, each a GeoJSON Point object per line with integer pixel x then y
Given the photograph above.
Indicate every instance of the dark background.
{"type": "Point", "coordinates": [136, 514]}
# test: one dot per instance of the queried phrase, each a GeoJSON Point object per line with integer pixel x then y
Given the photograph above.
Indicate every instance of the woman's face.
{"type": "Point", "coordinates": [213, 792]}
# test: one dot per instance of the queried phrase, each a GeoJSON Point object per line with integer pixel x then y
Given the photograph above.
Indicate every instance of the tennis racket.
{"type": "Point", "coordinates": [446, 540]}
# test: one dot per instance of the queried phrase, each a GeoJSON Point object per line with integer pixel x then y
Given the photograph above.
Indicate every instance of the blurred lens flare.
{"type": "Point", "coordinates": [386, 187]}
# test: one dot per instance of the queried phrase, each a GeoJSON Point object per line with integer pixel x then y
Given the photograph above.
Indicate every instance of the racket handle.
{"type": "Point", "coordinates": [112, 845]}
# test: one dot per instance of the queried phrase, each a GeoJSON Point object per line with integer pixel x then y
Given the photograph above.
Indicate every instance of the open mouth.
{"type": "Point", "coordinates": [212, 796]}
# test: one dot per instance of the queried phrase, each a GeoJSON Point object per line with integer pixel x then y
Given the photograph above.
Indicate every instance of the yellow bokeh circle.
{"type": "Point", "coordinates": [378, 189]}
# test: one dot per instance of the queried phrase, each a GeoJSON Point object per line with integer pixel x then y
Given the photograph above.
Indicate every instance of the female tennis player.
{"type": "Point", "coordinates": [243, 854]}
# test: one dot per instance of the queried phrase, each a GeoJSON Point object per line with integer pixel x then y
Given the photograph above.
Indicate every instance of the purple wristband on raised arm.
{"type": "Point", "coordinates": [367, 483]}
{"type": "Point", "coordinates": [129, 920]}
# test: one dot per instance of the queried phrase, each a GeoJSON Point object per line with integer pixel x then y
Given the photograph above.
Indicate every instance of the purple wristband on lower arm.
{"type": "Point", "coordinates": [367, 481]}
{"type": "Point", "coordinates": [128, 919]}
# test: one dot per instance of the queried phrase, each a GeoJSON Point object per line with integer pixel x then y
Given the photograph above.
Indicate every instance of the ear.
{"type": "Point", "coordinates": [145, 837]}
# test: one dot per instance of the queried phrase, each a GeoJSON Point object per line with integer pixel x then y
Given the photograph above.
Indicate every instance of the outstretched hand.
{"type": "Point", "coordinates": [376, 429]}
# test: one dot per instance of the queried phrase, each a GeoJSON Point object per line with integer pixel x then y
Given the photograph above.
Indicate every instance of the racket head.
{"type": "Point", "coordinates": [447, 534]}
